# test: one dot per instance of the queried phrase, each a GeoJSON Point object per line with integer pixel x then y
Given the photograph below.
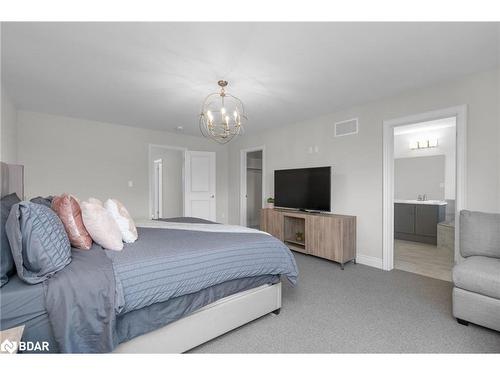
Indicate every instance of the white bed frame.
{"type": "Point", "coordinates": [208, 322]}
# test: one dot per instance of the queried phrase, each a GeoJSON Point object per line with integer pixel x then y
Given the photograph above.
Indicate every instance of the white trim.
{"type": "Point", "coordinates": [150, 175]}
{"type": "Point", "coordinates": [460, 112]}
{"type": "Point", "coordinates": [158, 188]}
{"type": "Point", "coordinates": [243, 180]}
{"type": "Point", "coordinates": [368, 260]}
{"type": "Point", "coordinates": [208, 322]}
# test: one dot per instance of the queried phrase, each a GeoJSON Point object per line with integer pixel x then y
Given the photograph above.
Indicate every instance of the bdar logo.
{"type": "Point", "coordinates": [8, 346]}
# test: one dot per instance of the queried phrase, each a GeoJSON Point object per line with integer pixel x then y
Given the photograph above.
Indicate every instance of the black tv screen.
{"type": "Point", "coordinates": [305, 189]}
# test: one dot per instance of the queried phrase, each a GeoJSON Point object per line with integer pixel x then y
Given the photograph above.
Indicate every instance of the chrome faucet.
{"type": "Point", "coordinates": [422, 197]}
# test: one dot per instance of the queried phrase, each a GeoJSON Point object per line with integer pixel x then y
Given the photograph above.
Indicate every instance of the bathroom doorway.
{"type": "Point", "coordinates": [423, 191]}
{"type": "Point", "coordinates": [424, 197]}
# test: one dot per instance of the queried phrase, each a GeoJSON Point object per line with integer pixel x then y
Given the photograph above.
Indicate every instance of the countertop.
{"type": "Point", "coordinates": [428, 202]}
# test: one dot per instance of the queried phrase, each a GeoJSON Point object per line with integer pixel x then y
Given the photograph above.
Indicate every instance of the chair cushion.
{"type": "Point", "coordinates": [479, 234]}
{"type": "Point", "coordinates": [479, 275]}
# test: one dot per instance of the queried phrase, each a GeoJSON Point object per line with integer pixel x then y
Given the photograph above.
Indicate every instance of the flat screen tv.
{"type": "Point", "coordinates": [303, 189]}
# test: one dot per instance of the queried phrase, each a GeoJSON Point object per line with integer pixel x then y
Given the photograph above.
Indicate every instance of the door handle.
{"type": "Point", "coordinates": [212, 196]}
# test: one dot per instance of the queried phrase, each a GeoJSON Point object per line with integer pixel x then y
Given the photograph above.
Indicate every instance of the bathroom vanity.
{"type": "Point", "coordinates": [417, 220]}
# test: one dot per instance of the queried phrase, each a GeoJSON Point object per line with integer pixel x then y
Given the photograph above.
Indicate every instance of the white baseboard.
{"type": "Point", "coordinates": [369, 261]}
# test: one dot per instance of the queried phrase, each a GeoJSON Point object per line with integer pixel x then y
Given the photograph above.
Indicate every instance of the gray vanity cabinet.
{"type": "Point", "coordinates": [404, 218]}
{"type": "Point", "coordinates": [417, 222]}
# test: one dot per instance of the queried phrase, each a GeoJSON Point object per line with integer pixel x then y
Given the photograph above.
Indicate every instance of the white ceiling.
{"type": "Point", "coordinates": [155, 75]}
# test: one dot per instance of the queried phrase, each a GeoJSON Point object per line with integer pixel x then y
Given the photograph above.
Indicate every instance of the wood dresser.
{"type": "Point", "coordinates": [324, 235]}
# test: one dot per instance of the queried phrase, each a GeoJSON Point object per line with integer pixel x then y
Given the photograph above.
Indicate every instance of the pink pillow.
{"type": "Point", "coordinates": [68, 210]}
{"type": "Point", "coordinates": [101, 226]}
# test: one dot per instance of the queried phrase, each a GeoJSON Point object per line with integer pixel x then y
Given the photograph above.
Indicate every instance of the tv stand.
{"type": "Point", "coordinates": [324, 235]}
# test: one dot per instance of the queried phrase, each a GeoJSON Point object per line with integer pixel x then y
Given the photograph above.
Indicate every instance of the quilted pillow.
{"type": "Point", "coordinates": [6, 261]}
{"type": "Point", "coordinates": [39, 244]}
{"type": "Point", "coordinates": [68, 210]}
{"type": "Point", "coordinates": [101, 226]}
{"type": "Point", "coordinates": [120, 214]}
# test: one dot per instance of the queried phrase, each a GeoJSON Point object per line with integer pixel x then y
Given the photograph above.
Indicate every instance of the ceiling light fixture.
{"type": "Point", "coordinates": [222, 115]}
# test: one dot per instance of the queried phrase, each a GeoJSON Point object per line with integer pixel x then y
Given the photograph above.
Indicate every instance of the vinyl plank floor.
{"type": "Point", "coordinates": [423, 259]}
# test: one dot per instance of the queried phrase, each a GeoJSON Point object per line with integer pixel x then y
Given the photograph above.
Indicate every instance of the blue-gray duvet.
{"type": "Point", "coordinates": [85, 300]}
{"type": "Point", "coordinates": [167, 263]}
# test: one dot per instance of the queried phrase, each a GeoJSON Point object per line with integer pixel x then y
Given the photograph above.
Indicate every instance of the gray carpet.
{"type": "Point", "coordinates": [360, 309]}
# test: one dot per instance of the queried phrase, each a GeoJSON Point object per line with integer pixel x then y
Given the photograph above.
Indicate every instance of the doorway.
{"type": "Point", "coordinates": [166, 165]}
{"type": "Point", "coordinates": [424, 191]}
{"type": "Point", "coordinates": [252, 186]}
{"type": "Point", "coordinates": [424, 197]}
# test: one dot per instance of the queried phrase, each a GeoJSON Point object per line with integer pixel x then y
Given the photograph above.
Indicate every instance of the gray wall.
{"type": "Point", "coordinates": [172, 162]}
{"type": "Point", "coordinates": [421, 175]}
{"type": "Point", "coordinates": [8, 130]}
{"type": "Point", "coordinates": [89, 158]}
{"type": "Point", "coordinates": [357, 159]}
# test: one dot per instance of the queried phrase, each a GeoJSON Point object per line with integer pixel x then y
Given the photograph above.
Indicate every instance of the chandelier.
{"type": "Point", "coordinates": [222, 115]}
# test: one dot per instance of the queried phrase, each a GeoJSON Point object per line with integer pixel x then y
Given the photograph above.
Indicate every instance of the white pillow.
{"type": "Point", "coordinates": [127, 227]}
{"type": "Point", "coordinates": [101, 226]}
{"type": "Point", "coordinates": [94, 201]}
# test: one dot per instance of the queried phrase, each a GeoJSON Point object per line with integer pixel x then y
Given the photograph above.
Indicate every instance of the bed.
{"type": "Point", "coordinates": [183, 283]}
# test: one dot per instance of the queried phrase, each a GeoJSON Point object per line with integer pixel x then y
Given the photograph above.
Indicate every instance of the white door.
{"type": "Point", "coordinates": [158, 189]}
{"type": "Point", "coordinates": [200, 185]}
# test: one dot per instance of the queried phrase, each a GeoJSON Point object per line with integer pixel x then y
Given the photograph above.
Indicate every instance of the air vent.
{"type": "Point", "coordinates": [346, 127]}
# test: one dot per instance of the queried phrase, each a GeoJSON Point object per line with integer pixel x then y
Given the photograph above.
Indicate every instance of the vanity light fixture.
{"type": "Point", "coordinates": [429, 143]}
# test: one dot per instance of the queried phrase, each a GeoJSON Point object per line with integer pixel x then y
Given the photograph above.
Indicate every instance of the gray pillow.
{"type": "Point", "coordinates": [39, 244]}
{"type": "Point", "coordinates": [47, 201]}
{"type": "Point", "coordinates": [6, 262]}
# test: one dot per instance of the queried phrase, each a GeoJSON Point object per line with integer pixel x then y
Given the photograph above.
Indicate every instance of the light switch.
{"type": "Point", "coordinates": [316, 149]}
{"type": "Point", "coordinates": [130, 183]}
{"type": "Point", "coordinates": [310, 150]}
